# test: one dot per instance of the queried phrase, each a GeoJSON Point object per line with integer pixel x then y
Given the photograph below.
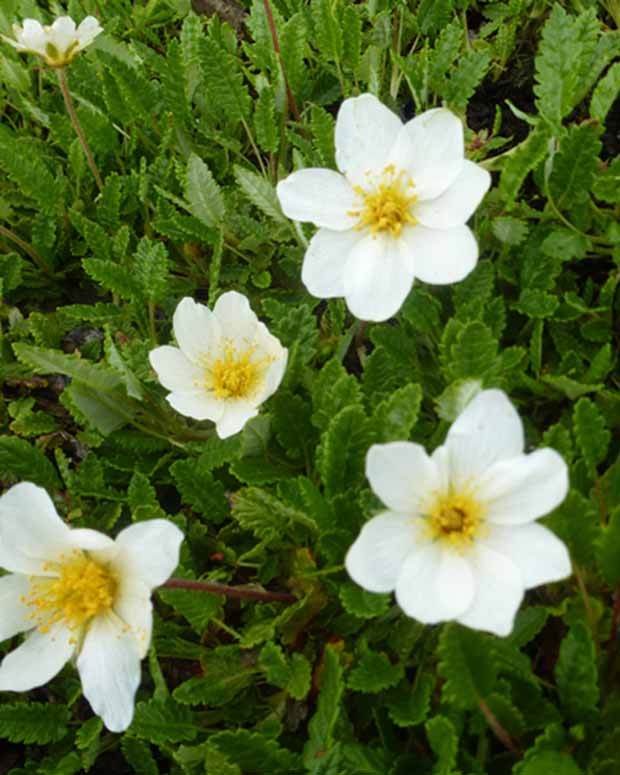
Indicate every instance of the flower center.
{"type": "Point", "coordinates": [387, 206]}
{"type": "Point", "coordinates": [235, 375]}
{"type": "Point", "coordinates": [83, 589]}
{"type": "Point", "coordinates": [456, 519]}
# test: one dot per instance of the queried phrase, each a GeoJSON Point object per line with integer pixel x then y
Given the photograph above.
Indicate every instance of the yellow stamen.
{"type": "Point", "coordinates": [235, 375]}
{"type": "Point", "coordinates": [387, 206]}
{"type": "Point", "coordinates": [456, 519]}
{"type": "Point", "coordinates": [83, 589]}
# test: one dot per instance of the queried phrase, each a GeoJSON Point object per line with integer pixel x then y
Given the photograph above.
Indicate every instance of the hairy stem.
{"type": "Point", "coordinates": [242, 593]}
{"type": "Point", "coordinates": [64, 88]}
{"type": "Point", "coordinates": [290, 97]}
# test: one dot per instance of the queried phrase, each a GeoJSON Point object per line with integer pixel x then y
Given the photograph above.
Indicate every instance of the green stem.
{"type": "Point", "coordinates": [64, 88]}
{"type": "Point", "coordinates": [34, 254]}
{"type": "Point", "coordinates": [248, 132]}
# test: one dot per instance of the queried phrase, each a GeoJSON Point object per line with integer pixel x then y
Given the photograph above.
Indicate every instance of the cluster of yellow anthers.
{"type": "Point", "coordinates": [386, 205]}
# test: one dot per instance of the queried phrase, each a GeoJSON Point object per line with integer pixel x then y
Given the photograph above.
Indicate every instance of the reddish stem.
{"type": "Point", "coordinates": [242, 593]}
{"type": "Point", "coordinates": [498, 730]}
{"type": "Point", "coordinates": [615, 619]}
{"type": "Point", "coordinates": [290, 97]}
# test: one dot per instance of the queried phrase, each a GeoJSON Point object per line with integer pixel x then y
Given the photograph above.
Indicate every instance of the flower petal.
{"type": "Point", "coordinates": [365, 132]}
{"type": "Point", "coordinates": [435, 585]}
{"type": "Point", "coordinates": [174, 369]}
{"type": "Point", "coordinates": [498, 595]}
{"type": "Point", "coordinates": [536, 551]}
{"type": "Point", "coordinates": [321, 196]}
{"type": "Point", "coordinates": [196, 329]}
{"type": "Point", "coordinates": [431, 148]}
{"type": "Point", "coordinates": [62, 33]}
{"type": "Point", "coordinates": [88, 30]}
{"type": "Point", "coordinates": [324, 263]}
{"type": "Point", "coordinates": [441, 256]}
{"type": "Point", "coordinates": [15, 613]}
{"type": "Point", "coordinates": [199, 405]}
{"type": "Point", "coordinates": [378, 277]}
{"type": "Point", "coordinates": [235, 416]}
{"type": "Point", "coordinates": [109, 667]}
{"type": "Point", "coordinates": [457, 204]}
{"type": "Point", "coordinates": [402, 475]}
{"type": "Point", "coordinates": [32, 36]}
{"type": "Point", "coordinates": [375, 558]}
{"type": "Point", "coordinates": [149, 550]}
{"type": "Point", "coordinates": [236, 319]}
{"type": "Point", "coordinates": [39, 658]}
{"type": "Point", "coordinates": [90, 540]}
{"type": "Point", "coordinates": [488, 430]}
{"type": "Point", "coordinates": [31, 532]}
{"type": "Point", "coordinates": [133, 605]}
{"type": "Point", "coordinates": [524, 488]}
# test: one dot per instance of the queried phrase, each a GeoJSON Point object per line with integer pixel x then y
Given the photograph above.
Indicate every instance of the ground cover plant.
{"type": "Point", "coordinates": [145, 179]}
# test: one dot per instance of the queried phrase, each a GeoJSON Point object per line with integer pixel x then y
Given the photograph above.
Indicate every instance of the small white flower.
{"type": "Point", "coordinates": [227, 363]}
{"type": "Point", "coordinates": [58, 43]}
{"type": "Point", "coordinates": [459, 539]}
{"type": "Point", "coordinates": [79, 595]}
{"type": "Point", "coordinates": [397, 211]}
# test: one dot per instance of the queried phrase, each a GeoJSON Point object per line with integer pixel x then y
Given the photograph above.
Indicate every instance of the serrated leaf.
{"type": "Point", "coordinates": [265, 121]}
{"type": "Point", "coordinates": [322, 724]}
{"type": "Point", "coordinates": [608, 550]}
{"type": "Point", "coordinates": [591, 433]}
{"type": "Point", "coordinates": [23, 461]}
{"type": "Point", "coordinates": [292, 674]}
{"type": "Point", "coordinates": [139, 755]}
{"type": "Point", "coordinates": [410, 707]}
{"type": "Point", "coordinates": [342, 451]}
{"type": "Point", "coordinates": [203, 193]}
{"type": "Point", "coordinates": [444, 741]}
{"type": "Point", "coordinates": [199, 608]}
{"type": "Point", "coordinates": [224, 81]}
{"type": "Point", "coordinates": [162, 721]}
{"type": "Point", "coordinates": [198, 487]}
{"type": "Point", "coordinates": [576, 673]}
{"type": "Point", "coordinates": [395, 417]}
{"type": "Point", "coordinates": [373, 673]}
{"type": "Point", "coordinates": [260, 192]}
{"type": "Point", "coordinates": [527, 156]}
{"type": "Point", "coordinates": [575, 165]}
{"type": "Point", "coordinates": [267, 517]}
{"type": "Point", "coordinates": [33, 722]}
{"type": "Point", "coordinates": [363, 604]}
{"type": "Point", "coordinates": [245, 748]}
{"type": "Point", "coordinates": [464, 663]}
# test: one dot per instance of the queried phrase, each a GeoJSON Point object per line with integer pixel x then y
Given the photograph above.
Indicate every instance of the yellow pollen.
{"type": "Point", "coordinates": [235, 375]}
{"type": "Point", "coordinates": [387, 207]}
{"type": "Point", "coordinates": [456, 519]}
{"type": "Point", "coordinates": [83, 589]}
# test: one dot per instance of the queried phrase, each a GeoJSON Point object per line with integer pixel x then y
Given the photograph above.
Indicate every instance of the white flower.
{"type": "Point", "coordinates": [397, 211]}
{"type": "Point", "coordinates": [227, 363]}
{"type": "Point", "coordinates": [79, 595]}
{"type": "Point", "coordinates": [58, 43]}
{"type": "Point", "coordinates": [459, 539]}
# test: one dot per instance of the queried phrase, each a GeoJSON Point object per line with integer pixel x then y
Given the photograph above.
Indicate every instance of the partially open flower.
{"type": "Point", "coordinates": [227, 363]}
{"type": "Point", "coordinates": [396, 210]}
{"type": "Point", "coordinates": [79, 595]}
{"type": "Point", "coordinates": [459, 539]}
{"type": "Point", "coordinates": [58, 43]}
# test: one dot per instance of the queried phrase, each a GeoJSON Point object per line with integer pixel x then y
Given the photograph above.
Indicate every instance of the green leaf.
{"type": "Point", "coordinates": [373, 673]}
{"type": "Point", "coordinates": [327, 31]}
{"type": "Point", "coordinates": [151, 266]}
{"type": "Point", "coordinates": [265, 121]}
{"type": "Point", "coordinates": [199, 608]}
{"type": "Point", "coordinates": [224, 82]}
{"type": "Point", "coordinates": [395, 417]}
{"type": "Point", "coordinates": [245, 748]}
{"type": "Point", "coordinates": [591, 433]}
{"type": "Point", "coordinates": [267, 517]}
{"type": "Point", "coordinates": [575, 165]}
{"type": "Point", "coordinates": [25, 166]}
{"type": "Point", "coordinates": [341, 454]}
{"type": "Point", "coordinates": [443, 739]}
{"type": "Point", "coordinates": [411, 707]}
{"type": "Point", "coordinates": [608, 550]}
{"type": "Point", "coordinates": [464, 663]}
{"type": "Point", "coordinates": [576, 522]}
{"type": "Point", "coordinates": [605, 93]}
{"type": "Point", "coordinates": [576, 673]}
{"type": "Point", "coordinates": [111, 276]}
{"type": "Point", "coordinates": [198, 487]}
{"type": "Point", "coordinates": [293, 42]}
{"type": "Point", "coordinates": [203, 194]}
{"type": "Point", "coordinates": [162, 721]}
{"type": "Point", "coordinates": [33, 722]}
{"type": "Point", "coordinates": [547, 762]}
{"type": "Point", "coordinates": [526, 157]}
{"type": "Point", "coordinates": [226, 673]}
{"type": "Point", "coordinates": [21, 460]}
{"type": "Point", "coordinates": [472, 354]}
{"type": "Point", "coordinates": [566, 49]}
{"type": "Point", "coordinates": [363, 604]}
{"type": "Point", "coordinates": [322, 124]}
{"type": "Point", "coordinates": [260, 192]}
{"type": "Point", "coordinates": [322, 724]}
{"type": "Point", "coordinates": [139, 755]}
{"type": "Point", "coordinates": [104, 412]}
{"type": "Point", "coordinates": [333, 389]}
{"type": "Point", "coordinates": [294, 675]}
